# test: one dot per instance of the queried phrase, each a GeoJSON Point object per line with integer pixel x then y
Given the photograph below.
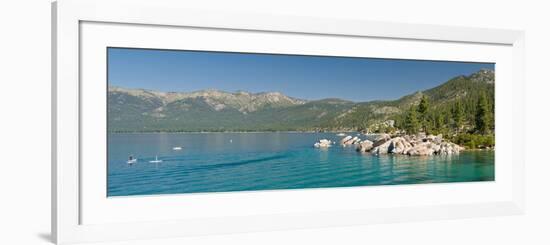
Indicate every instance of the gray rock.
{"type": "Point", "coordinates": [438, 139]}
{"type": "Point", "coordinates": [324, 143]}
{"type": "Point", "coordinates": [413, 145]}
{"type": "Point", "coordinates": [422, 149]}
{"type": "Point", "coordinates": [398, 145]}
{"type": "Point", "coordinates": [383, 148]}
{"type": "Point", "coordinates": [365, 146]}
{"type": "Point", "coordinates": [345, 139]}
{"type": "Point", "coordinates": [448, 148]}
{"type": "Point", "coordinates": [383, 138]}
{"type": "Point", "coordinates": [353, 141]}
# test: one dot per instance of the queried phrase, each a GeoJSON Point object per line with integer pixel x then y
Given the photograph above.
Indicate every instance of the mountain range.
{"type": "Point", "coordinates": [140, 110]}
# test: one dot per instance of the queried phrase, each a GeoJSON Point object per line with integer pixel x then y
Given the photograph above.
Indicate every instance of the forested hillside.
{"type": "Point", "coordinates": [464, 105]}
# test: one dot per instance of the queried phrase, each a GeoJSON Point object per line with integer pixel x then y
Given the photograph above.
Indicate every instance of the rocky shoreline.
{"type": "Point", "coordinates": [411, 145]}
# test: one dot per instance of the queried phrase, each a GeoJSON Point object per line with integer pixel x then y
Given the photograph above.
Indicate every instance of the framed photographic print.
{"type": "Point", "coordinates": [204, 121]}
{"type": "Point", "coordinates": [171, 122]}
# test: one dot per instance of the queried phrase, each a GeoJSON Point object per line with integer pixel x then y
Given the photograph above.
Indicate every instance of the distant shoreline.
{"type": "Point", "coordinates": [226, 132]}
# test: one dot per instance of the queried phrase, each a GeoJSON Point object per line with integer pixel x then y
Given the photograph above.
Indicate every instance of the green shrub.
{"type": "Point", "coordinates": [474, 141]}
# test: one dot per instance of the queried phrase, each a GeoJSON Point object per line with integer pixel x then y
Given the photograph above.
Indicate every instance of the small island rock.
{"type": "Point", "coordinates": [324, 143]}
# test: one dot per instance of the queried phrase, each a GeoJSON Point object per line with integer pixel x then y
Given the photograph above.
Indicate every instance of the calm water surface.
{"type": "Point", "coordinates": [217, 162]}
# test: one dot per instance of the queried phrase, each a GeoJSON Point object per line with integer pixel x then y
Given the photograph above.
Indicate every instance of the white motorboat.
{"type": "Point", "coordinates": [177, 148]}
{"type": "Point", "coordinates": [131, 160]}
{"type": "Point", "coordinates": [156, 160]}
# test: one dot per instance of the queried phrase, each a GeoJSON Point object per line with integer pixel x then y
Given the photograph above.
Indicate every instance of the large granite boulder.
{"type": "Point", "coordinates": [398, 145]}
{"type": "Point", "coordinates": [381, 149]}
{"type": "Point", "coordinates": [383, 138]}
{"type": "Point", "coordinates": [352, 141]}
{"type": "Point", "coordinates": [345, 139]}
{"type": "Point", "coordinates": [365, 146]}
{"type": "Point", "coordinates": [448, 148]}
{"type": "Point", "coordinates": [324, 143]}
{"type": "Point", "coordinates": [422, 149]}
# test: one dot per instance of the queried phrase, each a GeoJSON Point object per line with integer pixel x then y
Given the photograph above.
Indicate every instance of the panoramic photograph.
{"type": "Point", "coordinates": [182, 121]}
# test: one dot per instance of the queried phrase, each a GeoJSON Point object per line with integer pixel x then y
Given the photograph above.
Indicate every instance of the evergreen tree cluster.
{"type": "Point", "coordinates": [467, 122]}
{"type": "Point", "coordinates": [450, 119]}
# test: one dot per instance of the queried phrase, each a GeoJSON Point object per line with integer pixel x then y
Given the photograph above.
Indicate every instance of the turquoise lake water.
{"type": "Point", "coordinates": [220, 162]}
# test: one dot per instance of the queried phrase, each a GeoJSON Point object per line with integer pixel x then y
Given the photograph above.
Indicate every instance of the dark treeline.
{"type": "Point", "coordinates": [468, 122]}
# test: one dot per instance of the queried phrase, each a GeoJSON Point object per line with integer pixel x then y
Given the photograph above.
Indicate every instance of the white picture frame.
{"type": "Point", "coordinates": [70, 194]}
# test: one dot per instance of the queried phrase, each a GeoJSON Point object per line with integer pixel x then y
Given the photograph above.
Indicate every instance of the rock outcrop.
{"type": "Point", "coordinates": [422, 149]}
{"type": "Point", "coordinates": [348, 140]}
{"type": "Point", "coordinates": [412, 145]}
{"type": "Point", "coordinates": [345, 139]}
{"type": "Point", "coordinates": [399, 145]}
{"type": "Point", "coordinates": [324, 143]}
{"type": "Point", "coordinates": [383, 138]}
{"type": "Point", "coordinates": [365, 146]}
{"type": "Point", "coordinates": [415, 145]}
{"type": "Point", "coordinates": [449, 149]}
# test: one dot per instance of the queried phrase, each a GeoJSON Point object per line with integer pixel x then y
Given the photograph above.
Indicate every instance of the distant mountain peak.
{"type": "Point", "coordinates": [486, 71]}
{"type": "Point", "coordinates": [219, 100]}
{"type": "Point", "coordinates": [483, 75]}
{"type": "Point", "coordinates": [242, 92]}
{"type": "Point", "coordinates": [334, 101]}
{"type": "Point", "coordinates": [208, 90]}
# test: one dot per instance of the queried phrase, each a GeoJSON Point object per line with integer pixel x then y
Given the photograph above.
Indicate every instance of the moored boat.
{"type": "Point", "coordinates": [156, 160]}
{"type": "Point", "coordinates": [131, 160]}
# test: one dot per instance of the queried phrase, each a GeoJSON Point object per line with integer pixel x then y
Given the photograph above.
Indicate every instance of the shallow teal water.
{"type": "Point", "coordinates": [219, 162]}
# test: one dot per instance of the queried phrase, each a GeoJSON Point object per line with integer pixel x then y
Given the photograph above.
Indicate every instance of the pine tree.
{"type": "Point", "coordinates": [411, 121]}
{"type": "Point", "coordinates": [423, 107]}
{"type": "Point", "coordinates": [364, 126]}
{"type": "Point", "coordinates": [439, 122]}
{"type": "Point", "coordinates": [458, 116]}
{"type": "Point", "coordinates": [483, 117]}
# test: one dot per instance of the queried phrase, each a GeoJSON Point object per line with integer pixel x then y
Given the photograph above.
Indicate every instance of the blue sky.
{"type": "Point", "coordinates": [305, 77]}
